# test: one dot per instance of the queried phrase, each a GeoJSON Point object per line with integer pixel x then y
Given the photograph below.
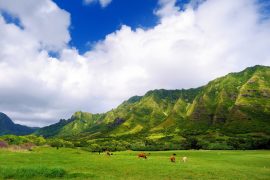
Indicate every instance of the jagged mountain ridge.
{"type": "Point", "coordinates": [236, 103]}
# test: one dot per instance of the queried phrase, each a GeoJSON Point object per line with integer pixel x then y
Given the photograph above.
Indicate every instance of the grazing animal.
{"type": "Point", "coordinates": [172, 158]}
{"type": "Point", "coordinates": [142, 155]}
{"type": "Point", "coordinates": [184, 159]}
{"type": "Point", "coordinates": [108, 153]}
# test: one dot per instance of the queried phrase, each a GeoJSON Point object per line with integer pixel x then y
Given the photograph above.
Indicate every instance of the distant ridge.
{"type": "Point", "coordinates": [7, 126]}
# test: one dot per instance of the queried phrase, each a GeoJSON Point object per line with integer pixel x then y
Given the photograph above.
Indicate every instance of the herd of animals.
{"type": "Point", "coordinates": [144, 156]}
{"type": "Point", "coordinates": [172, 158]}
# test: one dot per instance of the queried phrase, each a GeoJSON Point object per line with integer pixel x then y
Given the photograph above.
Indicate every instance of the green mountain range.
{"type": "Point", "coordinates": [233, 105]}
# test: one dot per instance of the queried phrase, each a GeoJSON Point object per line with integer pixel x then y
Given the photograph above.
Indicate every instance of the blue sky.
{"type": "Point", "coordinates": [91, 23]}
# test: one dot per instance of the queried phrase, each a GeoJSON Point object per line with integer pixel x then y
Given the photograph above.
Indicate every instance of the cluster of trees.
{"type": "Point", "coordinates": [191, 142]}
{"type": "Point", "coordinates": [230, 143]}
{"type": "Point", "coordinates": [56, 142]}
{"type": "Point", "coordinates": [139, 144]}
{"type": "Point", "coordinates": [29, 141]}
{"type": "Point", "coordinates": [21, 142]}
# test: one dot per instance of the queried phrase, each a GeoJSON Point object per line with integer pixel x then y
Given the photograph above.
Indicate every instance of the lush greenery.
{"type": "Point", "coordinates": [211, 142]}
{"type": "Point", "coordinates": [31, 172]}
{"type": "Point", "coordinates": [231, 112]}
{"type": "Point", "coordinates": [46, 162]}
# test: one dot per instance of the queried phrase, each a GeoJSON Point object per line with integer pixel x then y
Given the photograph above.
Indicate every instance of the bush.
{"type": "Point", "coordinates": [14, 140]}
{"type": "Point", "coordinates": [191, 143]}
{"type": "Point", "coordinates": [37, 140]}
{"type": "Point", "coordinates": [60, 143]}
{"type": "Point", "coordinates": [219, 146]}
{"type": "Point", "coordinates": [249, 143]}
{"type": "Point", "coordinates": [80, 143]}
{"type": "Point", "coordinates": [56, 143]}
{"type": "Point", "coordinates": [27, 146]}
{"type": "Point", "coordinates": [95, 148]}
{"type": "Point", "coordinates": [68, 144]}
{"type": "Point", "coordinates": [260, 143]}
{"type": "Point", "coordinates": [3, 144]}
{"type": "Point", "coordinates": [18, 140]}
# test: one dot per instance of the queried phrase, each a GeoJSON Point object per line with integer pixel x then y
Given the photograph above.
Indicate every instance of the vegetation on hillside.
{"type": "Point", "coordinates": [231, 112]}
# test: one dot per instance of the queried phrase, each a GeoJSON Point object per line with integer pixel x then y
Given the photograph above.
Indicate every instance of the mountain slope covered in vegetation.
{"type": "Point", "coordinates": [238, 103]}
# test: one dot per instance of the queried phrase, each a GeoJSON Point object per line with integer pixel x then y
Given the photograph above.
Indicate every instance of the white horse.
{"type": "Point", "coordinates": [184, 159]}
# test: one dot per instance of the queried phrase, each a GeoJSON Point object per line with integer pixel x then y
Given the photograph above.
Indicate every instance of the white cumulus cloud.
{"type": "Point", "coordinates": [186, 49]}
{"type": "Point", "coordinates": [43, 20]}
{"type": "Point", "coordinates": [167, 8]}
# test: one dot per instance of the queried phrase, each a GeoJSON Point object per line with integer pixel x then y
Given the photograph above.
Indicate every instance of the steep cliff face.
{"type": "Point", "coordinates": [239, 102]}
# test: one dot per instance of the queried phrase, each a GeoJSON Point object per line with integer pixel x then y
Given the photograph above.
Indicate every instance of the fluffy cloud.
{"type": "Point", "coordinates": [103, 3]}
{"type": "Point", "coordinates": [43, 20]}
{"type": "Point", "coordinates": [167, 8]}
{"type": "Point", "coordinates": [186, 49]}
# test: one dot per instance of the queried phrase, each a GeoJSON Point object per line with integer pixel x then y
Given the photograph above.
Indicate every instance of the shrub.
{"type": "Point", "coordinates": [95, 148]}
{"type": "Point", "coordinates": [56, 143]}
{"type": "Point", "coordinates": [242, 143]}
{"type": "Point", "coordinates": [60, 143]}
{"type": "Point", "coordinates": [68, 144]}
{"type": "Point", "coordinates": [219, 146]}
{"type": "Point", "coordinates": [3, 144]}
{"type": "Point", "coordinates": [191, 143]}
{"type": "Point", "coordinates": [14, 140]}
{"type": "Point", "coordinates": [18, 140]}
{"type": "Point", "coordinates": [37, 140]}
{"type": "Point", "coordinates": [262, 143]}
{"type": "Point", "coordinates": [27, 146]}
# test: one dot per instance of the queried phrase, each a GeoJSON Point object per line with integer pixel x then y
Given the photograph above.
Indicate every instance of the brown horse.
{"type": "Point", "coordinates": [142, 155]}
{"type": "Point", "coordinates": [172, 158]}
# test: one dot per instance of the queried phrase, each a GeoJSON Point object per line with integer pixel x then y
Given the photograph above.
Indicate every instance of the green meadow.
{"type": "Point", "coordinates": [67, 163]}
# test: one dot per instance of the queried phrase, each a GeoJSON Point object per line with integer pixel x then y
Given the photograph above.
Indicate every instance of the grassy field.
{"type": "Point", "coordinates": [47, 163]}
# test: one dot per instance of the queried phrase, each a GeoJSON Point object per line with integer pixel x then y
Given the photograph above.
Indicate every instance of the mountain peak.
{"type": "Point", "coordinates": [134, 99]}
{"type": "Point", "coordinates": [5, 120]}
{"type": "Point", "coordinates": [255, 68]}
{"type": "Point", "coordinates": [7, 126]}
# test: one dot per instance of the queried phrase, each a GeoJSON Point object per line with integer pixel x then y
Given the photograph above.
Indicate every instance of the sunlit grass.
{"type": "Point", "coordinates": [47, 163]}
